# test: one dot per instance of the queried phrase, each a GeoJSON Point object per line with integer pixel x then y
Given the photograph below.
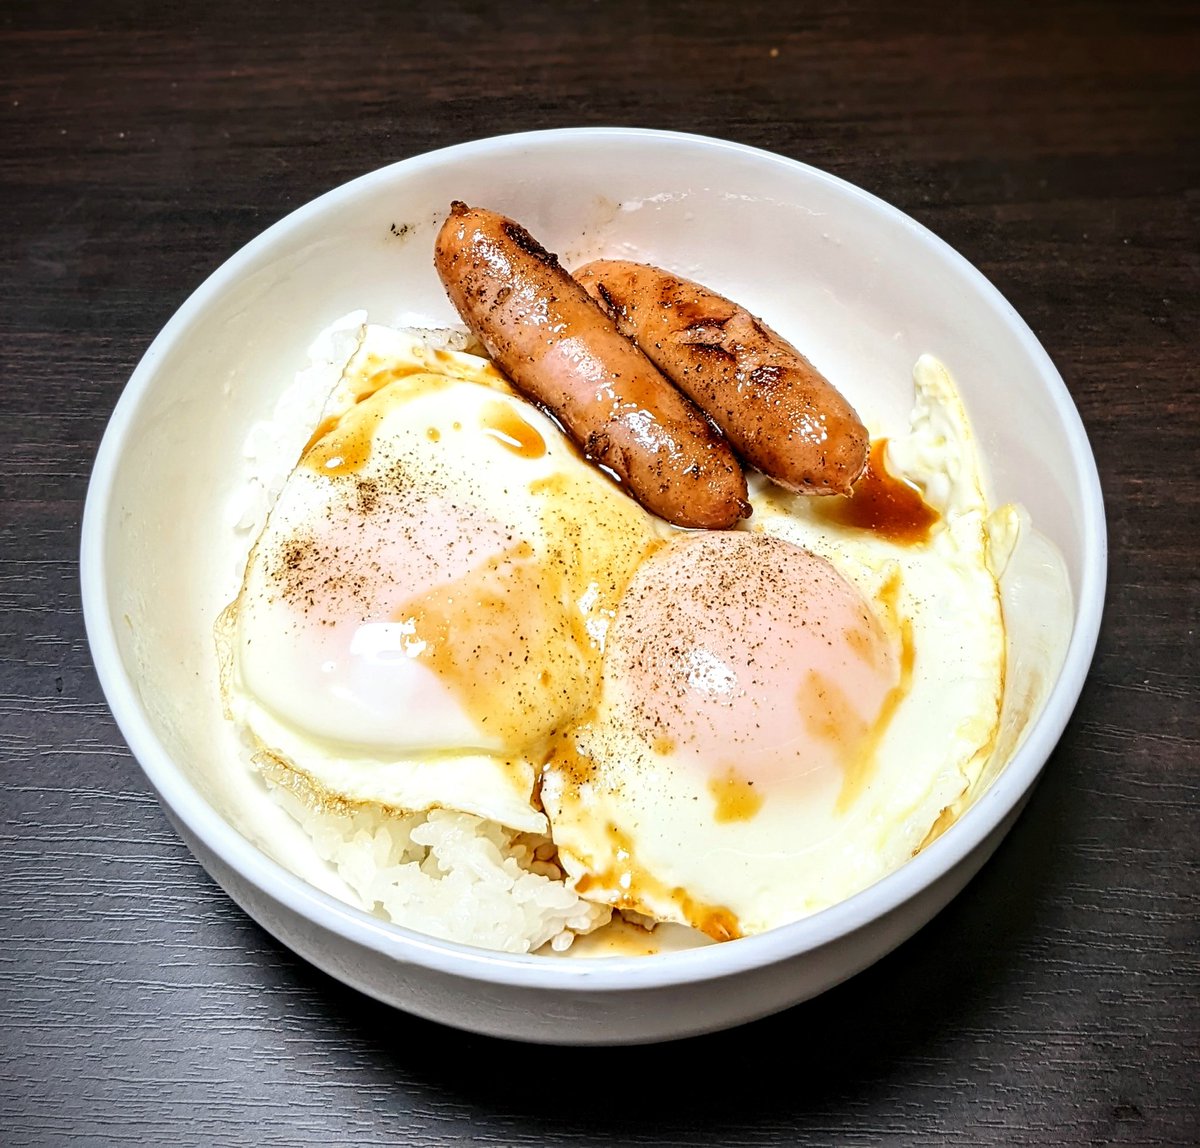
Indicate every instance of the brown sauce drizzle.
{"type": "Point", "coordinates": [480, 631]}
{"type": "Point", "coordinates": [323, 428]}
{"type": "Point", "coordinates": [831, 715]}
{"type": "Point", "coordinates": [622, 884]}
{"type": "Point", "coordinates": [883, 503]}
{"type": "Point", "coordinates": [377, 380]}
{"type": "Point", "coordinates": [341, 445]}
{"type": "Point", "coordinates": [735, 796]}
{"type": "Point", "coordinates": [857, 765]}
{"type": "Point", "coordinates": [506, 426]}
{"type": "Point", "coordinates": [619, 938]}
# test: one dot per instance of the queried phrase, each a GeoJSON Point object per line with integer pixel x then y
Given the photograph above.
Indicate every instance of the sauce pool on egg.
{"type": "Point", "coordinates": [880, 502]}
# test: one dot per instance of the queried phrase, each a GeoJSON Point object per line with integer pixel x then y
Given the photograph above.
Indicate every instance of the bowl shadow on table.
{"type": "Point", "coordinates": [841, 1048]}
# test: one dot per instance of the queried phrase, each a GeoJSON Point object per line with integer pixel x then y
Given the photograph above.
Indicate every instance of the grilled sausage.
{"type": "Point", "coordinates": [560, 350]}
{"type": "Point", "coordinates": [776, 409]}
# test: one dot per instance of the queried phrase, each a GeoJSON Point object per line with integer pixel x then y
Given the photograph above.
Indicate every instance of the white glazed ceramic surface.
{"type": "Point", "coordinates": [860, 287]}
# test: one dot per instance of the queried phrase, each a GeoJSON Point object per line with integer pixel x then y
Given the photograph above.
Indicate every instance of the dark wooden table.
{"type": "Point", "coordinates": [1054, 144]}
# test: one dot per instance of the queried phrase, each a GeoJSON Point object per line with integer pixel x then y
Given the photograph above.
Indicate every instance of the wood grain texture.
{"type": "Point", "coordinates": [1055, 145]}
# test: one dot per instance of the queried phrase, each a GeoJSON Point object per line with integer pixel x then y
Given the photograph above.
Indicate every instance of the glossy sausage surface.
{"type": "Point", "coordinates": [561, 350]}
{"type": "Point", "coordinates": [779, 412]}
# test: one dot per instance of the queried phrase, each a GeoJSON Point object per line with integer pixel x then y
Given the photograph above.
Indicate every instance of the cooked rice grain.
{"type": "Point", "coordinates": [451, 875]}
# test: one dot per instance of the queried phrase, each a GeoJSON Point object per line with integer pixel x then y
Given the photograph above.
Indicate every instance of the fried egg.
{"type": "Point", "coordinates": [787, 713]}
{"type": "Point", "coordinates": [427, 603]}
{"type": "Point", "coordinates": [448, 608]}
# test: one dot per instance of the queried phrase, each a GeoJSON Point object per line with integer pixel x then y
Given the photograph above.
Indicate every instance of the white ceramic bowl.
{"type": "Point", "coordinates": [861, 287]}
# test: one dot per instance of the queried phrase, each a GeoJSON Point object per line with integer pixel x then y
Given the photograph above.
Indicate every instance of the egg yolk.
{"type": "Point", "coordinates": [752, 660]}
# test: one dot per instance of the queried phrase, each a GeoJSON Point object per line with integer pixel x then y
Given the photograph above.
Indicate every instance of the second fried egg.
{"type": "Point", "coordinates": [788, 712]}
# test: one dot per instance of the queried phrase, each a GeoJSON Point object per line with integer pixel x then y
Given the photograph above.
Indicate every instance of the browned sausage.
{"type": "Point", "coordinates": [564, 353]}
{"type": "Point", "coordinates": [780, 413]}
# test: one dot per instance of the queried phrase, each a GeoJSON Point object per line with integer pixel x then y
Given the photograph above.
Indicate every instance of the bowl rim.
{"type": "Point", "coordinates": [608, 973]}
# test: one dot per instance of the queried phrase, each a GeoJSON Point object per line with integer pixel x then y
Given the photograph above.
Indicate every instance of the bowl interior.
{"type": "Point", "coordinates": [860, 288]}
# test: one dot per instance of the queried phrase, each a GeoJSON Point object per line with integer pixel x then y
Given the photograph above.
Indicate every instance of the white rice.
{"type": "Point", "coordinates": [450, 875]}
{"type": "Point", "coordinates": [444, 873]}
